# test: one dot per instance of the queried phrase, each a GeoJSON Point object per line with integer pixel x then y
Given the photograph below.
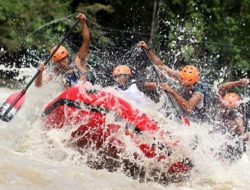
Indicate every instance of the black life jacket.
{"type": "Point", "coordinates": [203, 88]}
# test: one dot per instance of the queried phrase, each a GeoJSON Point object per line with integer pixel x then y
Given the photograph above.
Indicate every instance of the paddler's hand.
{"type": "Point", "coordinates": [246, 137]}
{"type": "Point", "coordinates": [244, 81]}
{"type": "Point", "coordinates": [143, 45]}
{"type": "Point", "coordinates": [41, 67]}
{"type": "Point", "coordinates": [150, 85]}
{"type": "Point", "coordinates": [82, 17]}
{"type": "Point", "coordinates": [167, 88]}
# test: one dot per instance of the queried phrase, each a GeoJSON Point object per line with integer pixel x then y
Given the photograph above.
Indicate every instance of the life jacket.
{"type": "Point", "coordinates": [200, 111]}
{"type": "Point", "coordinates": [72, 76]}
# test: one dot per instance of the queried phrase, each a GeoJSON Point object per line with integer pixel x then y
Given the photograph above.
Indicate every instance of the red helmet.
{"type": "Point", "coordinates": [232, 100]}
{"type": "Point", "coordinates": [60, 53]}
{"type": "Point", "coordinates": [189, 75]}
{"type": "Point", "coordinates": [121, 69]}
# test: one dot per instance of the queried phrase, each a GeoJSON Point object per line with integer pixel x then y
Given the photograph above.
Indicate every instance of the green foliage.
{"type": "Point", "coordinates": [19, 19]}
{"type": "Point", "coordinates": [193, 28]}
{"type": "Point", "coordinates": [215, 26]}
{"type": "Point", "coordinates": [95, 29]}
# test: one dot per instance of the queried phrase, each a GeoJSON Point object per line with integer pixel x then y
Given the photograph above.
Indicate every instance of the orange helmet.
{"type": "Point", "coordinates": [232, 100]}
{"type": "Point", "coordinates": [60, 53]}
{"type": "Point", "coordinates": [121, 69]}
{"type": "Point", "coordinates": [189, 75]}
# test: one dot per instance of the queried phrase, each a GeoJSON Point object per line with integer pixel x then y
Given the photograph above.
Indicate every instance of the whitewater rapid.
{"type": "Point", "coordinates": [33, 158]}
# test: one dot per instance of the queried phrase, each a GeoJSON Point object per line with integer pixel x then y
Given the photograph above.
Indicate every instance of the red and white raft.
{"type": "Point", "coordinates": [88, 109]}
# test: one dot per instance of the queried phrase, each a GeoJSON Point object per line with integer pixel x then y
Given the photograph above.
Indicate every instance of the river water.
{"type": "Point", "coordinates": [33, 158]}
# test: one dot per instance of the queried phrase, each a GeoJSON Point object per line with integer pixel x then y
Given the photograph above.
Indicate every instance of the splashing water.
{"type": "Point", "coordinates": [35, 158]}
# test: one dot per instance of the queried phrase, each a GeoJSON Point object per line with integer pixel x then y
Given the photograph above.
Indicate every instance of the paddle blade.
{"type": "Point", "coordinates": [11, 106]}
{"type": "Point", "coordinates": [185, 121]}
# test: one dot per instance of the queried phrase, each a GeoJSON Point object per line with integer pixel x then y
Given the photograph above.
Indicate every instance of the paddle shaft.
{"type": "Point", "coordinates": [38, 72]}
{"type": "Point", "coordinates": [169, 96]}
{"type": "Point", "coordinates": [246, 129]}
{"type": "Point", "coordinates": [245, 112]}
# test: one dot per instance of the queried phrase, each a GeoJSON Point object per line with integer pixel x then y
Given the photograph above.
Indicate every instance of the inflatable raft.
{"type": "Point", "coordinates": [88, 110]}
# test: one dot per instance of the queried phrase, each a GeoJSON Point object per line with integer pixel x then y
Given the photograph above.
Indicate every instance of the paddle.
{"type": "Point", "coordinates": [244, 111]}
{"type": "Point", "coordinates": [14, 102]}
{"type": "Point", "coordinates": [184, 119]}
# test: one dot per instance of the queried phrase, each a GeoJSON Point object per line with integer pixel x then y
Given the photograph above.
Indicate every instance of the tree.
{"type": "Point", "coordinates": [26, 23]}
{"type": "Point", "coordinates": [202, 28]}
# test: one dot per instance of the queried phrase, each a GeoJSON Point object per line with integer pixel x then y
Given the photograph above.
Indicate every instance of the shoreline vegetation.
{"type": "Point", "coordinates": [211, 34]}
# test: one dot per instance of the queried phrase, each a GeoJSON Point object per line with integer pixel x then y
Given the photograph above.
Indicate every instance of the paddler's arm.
{"type": "Point", "coordinates": [241, 128]}
{"type": "Point", "coordinates": [150, 86]}
{"type": "Point", "coordinates": [157, 61]}
{"type": "Point", "coordinates": [186, 105]}
{"type": "Point", "coordinates": [228, 85]}
{"type": "Point", "coordinates": [80, 59]}
{"type": "Point", "coordinates": [240, 125]}
{"type": "Point", "coordinates": [39, 78]}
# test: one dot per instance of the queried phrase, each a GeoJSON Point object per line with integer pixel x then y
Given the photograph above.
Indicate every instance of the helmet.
{"type": "Point", "coordinates": [60, 53]}
{"type": "Point", "coordinates": [232, 100]}
{"type": "Point", "coordinates": [121, 69]}
{"type": "Point", "coordinates": [189, 75]}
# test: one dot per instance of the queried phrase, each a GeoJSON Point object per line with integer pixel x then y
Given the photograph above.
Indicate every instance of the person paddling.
{"type": "Point", "coordinates": [127, 86]}
{"type": "Point", "coordinates": [71, 71]}
{"type": "Point", "coordinates": [228, 106]}
{"type": "Point", "coordinates": [229, 121]}
{"type": "Point", "coordinates": [193, 96]}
